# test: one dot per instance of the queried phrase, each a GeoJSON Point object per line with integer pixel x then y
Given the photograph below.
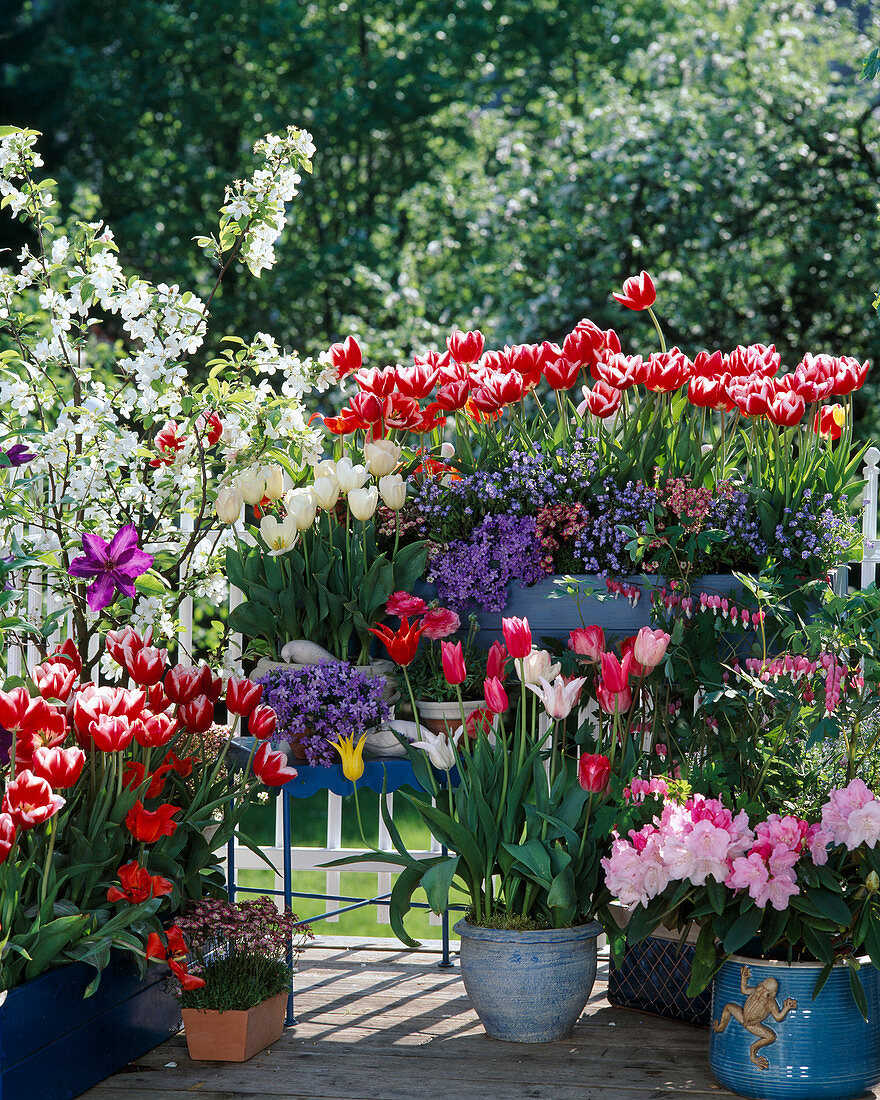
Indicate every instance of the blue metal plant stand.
{"type": "Point", "coordinates": [388, 774]}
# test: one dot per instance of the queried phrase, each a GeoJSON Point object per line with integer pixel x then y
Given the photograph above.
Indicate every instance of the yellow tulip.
{"type": "Point", "coordinates": [352, 756]}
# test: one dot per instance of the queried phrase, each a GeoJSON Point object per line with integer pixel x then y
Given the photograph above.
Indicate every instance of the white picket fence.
{"type": "Point", "coordinates": [40, 602]}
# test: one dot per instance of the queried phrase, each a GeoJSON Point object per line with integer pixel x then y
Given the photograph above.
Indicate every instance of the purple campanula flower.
{"type": "Point", "coordinates": [114, 566]}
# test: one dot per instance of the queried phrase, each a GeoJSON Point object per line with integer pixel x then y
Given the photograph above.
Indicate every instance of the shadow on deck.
{"type": "Point", "coordinates": [389, 1025]}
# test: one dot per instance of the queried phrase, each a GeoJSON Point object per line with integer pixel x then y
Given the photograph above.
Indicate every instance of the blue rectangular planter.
{"type": "Point", "coordinates": [54, 1045]}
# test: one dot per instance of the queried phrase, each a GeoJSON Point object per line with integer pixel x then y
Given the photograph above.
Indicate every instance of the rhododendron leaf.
{"type": "Point", "coordinates": [872, 939]}
{"type": "Point", "coordinates": [824, 975]}
{"type": "Point", "coordinates": [717, 895]}
{"type": "Point", "coordinates": [818, 945]}
{"type": "Point", "coordinates": [832, 906]}
{"type": "Point", "coordinates": [744, 928]}
{"type": "Point", "coordinates": [858, 990]}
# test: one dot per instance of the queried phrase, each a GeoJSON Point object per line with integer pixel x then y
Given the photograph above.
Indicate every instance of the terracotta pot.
{"type": "Point", "coordinates": [233, 1036]}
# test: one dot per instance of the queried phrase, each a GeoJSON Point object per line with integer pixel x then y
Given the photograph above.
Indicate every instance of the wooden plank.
{"type": "Point", "coordinates": [392, 1026]}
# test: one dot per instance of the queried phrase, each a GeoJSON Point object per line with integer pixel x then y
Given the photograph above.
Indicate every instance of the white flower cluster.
{"type": "Point", "coordinates": [254, 208]}
{"type": "Point", "coordinates": [122, 436]}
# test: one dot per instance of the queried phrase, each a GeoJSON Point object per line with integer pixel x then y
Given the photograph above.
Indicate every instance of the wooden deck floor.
{"type": "Point", "coordinates": [389, 1025]}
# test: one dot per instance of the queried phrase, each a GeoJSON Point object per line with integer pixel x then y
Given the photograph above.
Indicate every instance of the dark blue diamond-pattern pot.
{"type": "Point", "coordinates": [528, 987]}
{"type": "Point", "coordinates": [769, 1038]}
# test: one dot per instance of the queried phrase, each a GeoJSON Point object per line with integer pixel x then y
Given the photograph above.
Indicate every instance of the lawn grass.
{"type": "Point", "coordinates": [309, 828]}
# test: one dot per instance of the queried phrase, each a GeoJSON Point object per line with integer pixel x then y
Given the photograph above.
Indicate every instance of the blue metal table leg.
{"type": "Point", "coordinates": [288, 892]}
{"type": "Point", "coordinates": [446, 962]}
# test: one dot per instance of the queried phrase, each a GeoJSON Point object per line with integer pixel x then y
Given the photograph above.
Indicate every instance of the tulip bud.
{"type": "Point", "coordinates": [362, 502]}
{"type": "Point", "coordinates": [393, 490]}
{"type": "Point", "coordinates": [301, 507]}
{"type": "Point", "coordinates": [274, 482]}
{"type": "Point", "coordinates": [251, 483]}
{"type": "Point", "coordinates": [326, 492]}
{"type": "Point", "coordinates": [381, 457]}
{"type": "Point", "coordinates": [229, 504]}
{"type": "Point", "coordinates": [349, 476]}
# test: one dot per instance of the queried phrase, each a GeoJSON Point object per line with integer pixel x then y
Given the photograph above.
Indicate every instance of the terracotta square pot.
{"type": "Point", "coordinates": [233, 1036]}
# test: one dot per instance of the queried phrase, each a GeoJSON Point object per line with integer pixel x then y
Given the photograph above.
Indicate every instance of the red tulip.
{"type": "Point", "coordinates": [152, 731]}
{"type": "Point", "coordinates": [119, 640]}
{"type": "Point", "coordinates": [829, 420]}
{"type": "Point", "coordinates": [416, 381]}
{"type": "Point", "coordinates": [148, 825]}
{"type": "Point", "coordinates": [496, 661]}
{"type": "Point", "coordinates": [561, 374]}
{"type": "Point", "coordinates": [168, 443]}
{"type": "Point", "coordinates": [594, 771]}
{"type": "Point", "coordinates": [495, 695]}
{"type": "Point", "coordinates": [67, 654]}
{"type": "Point", "coordinates": [627, 647]}
{"type": "Point", "coordinates": [133, 774]}
{"type": "Point", "coordinates": [621, 371]}
{"type": "Point", "coordinates": [814, 377]}
{"type": "Point", "coordinates": [197, 715]}
{"type": "Point", "coordinates": [786, 408]}
{"type": "Point", "coordinates": [465, 347]}
{"type": "Point", "coordinates": [402, 643]}
{"type": "Point", "coordinates": [588, 641]}
{"type": "Point", "coordinates": [111, 732]}
{"type": "Point", "coordinates": [242, 696]}
{"type": "Point", "coordinates": [506, 389]}
{"type": "Point", "coordinates": [346, 357]}
{"type": "Point", "coordinates": [638, 292]}
{"type": "Point", "coordinates": [271, 767]}
{"type": "Point", "coordinates": [584, 345]}
{"type": "Point", "coordinates": [526, 359]}
{"type": "Point", "coordinates": [183, 767]}
{"type": "Point", "coordinates": [849, 375]}
{"type": "Point", "coordinates": [262, 722]}
{"type": "Point", "coordinates": [146, 666]}
{"type": "Point", "coordinates": [374, 380]}
{"type": "Point", "coordinates": [59, 767]}
{"type": "Point", "coordinates": [453, 396]}
{"type": "Point", "coordinates": [667, 371]}
{"type": "Point", "coordinates": [753, 395]}
{"type": "Point", "coordinates": [138, 885]}
{"type": "Point", "coordinates": [7, 836]}
{"type": "Point", "coordinates": [709, 393]}
{"type": "Point", "coordinates": [30, 801]}
{"type": "Point", "coordinates": [453, 662]}
{"type": "Point", "coordinates": [613, 702]}
{"type": "Point", "coordinates": [517, 637]}
{"type": "Point", "coordinates": [211, 426]}
{"type": "Point", "coordinates": [602, 400]}
{"type": "Point", "coordinates": [182, 683]}
{"type": "Point", "coordinates": [758, 359]}
{"type": "Point", "coordinates": [615, 673]}
{"type": "Point", "coordinates": [367, 407]}
{"type": "Point", "coordinates": [175, 955]}
{"type": "Point", "coordinates": [54, 680]}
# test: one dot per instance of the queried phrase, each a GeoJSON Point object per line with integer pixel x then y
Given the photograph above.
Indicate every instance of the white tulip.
{"type": "Point", "coordinates": [274, 482]}
{"type": "Point", "coordinates": [279, 537]}
{"type": "Point", "coordinates": [251, 483]}
{"type": "Point", "coordinates": [349, 476]}
{"type": "Point", "coordinates": [229, 504]}
{"type": "Point", "coordinates": [301, 505]}
{"type": "Point", "coordinates": [447, 451]}
{"type": "Point", "coordinates": [326, 492]}
{"type": "Point", "coordinates": [362, 502]}
{"type": "Point", "coordinates": [393, 490]}
{"type": "Point", "coordinates": [325, 468]}
{"type": "Point", "coordinates": [440, 751]}
{"type": "Point", "coordinates": [537, 667]}
{"type": "Point", "coordinates": [382, 457]}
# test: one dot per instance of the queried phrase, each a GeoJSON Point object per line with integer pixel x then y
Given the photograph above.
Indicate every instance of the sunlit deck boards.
{"type": "Point", "coordinates": [388, 1025]}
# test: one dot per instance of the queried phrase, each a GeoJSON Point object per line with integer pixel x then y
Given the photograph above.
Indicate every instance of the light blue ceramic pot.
{"type": "Point", "coordinates": [528, 987]}
{"type": "Point", "coordinates": [819, 1049]}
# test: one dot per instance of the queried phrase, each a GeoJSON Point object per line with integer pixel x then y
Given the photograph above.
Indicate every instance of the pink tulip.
{"type": "Point", "coordinates": [615, 673]}
{"type": "Point", "coordinates": [496, 662]}
{"type": "Point", "coordinates": [495, 695]}
{"type": "Point", "coordinates": [559, 698]}
{"type": "Point", "coordinates": [517, 636]}
{"type": "Point", "coordinates": [588, 641]}
{"type": "Point", "coordinates": [650, 646]}
{"type": "Point", "coordinates": [453, 662]}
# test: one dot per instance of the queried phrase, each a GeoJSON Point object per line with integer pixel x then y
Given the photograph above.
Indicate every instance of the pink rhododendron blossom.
{"type": "Point", "coordinates": [852, 815]}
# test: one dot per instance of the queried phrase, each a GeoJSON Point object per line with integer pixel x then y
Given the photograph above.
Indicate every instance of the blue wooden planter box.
{"type": "Point", "coordinates": [54, 1045]}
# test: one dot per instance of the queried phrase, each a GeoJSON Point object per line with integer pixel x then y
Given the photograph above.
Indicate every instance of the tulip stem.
{"type": "Point", "coordinates": [51, 833]}
{"type": "Point", "coordinates": [653, 317]}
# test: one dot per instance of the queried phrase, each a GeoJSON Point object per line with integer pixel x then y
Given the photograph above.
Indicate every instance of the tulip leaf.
{"type": "Point", "coordinates": [562, 893]}
{"type": "Point", "coordinates": [534, 856]}
{"type": "Point", "coordinates": [436, 882]}
{"type": "Point", "coordinates": [400, 903]}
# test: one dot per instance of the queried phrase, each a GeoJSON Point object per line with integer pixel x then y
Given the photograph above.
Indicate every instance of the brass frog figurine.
{"type": "Point", "coordinates": [760, 1003]}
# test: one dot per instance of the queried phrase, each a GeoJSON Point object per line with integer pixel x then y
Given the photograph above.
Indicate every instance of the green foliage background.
{"type": "Point", "coordinates": [501, 163]}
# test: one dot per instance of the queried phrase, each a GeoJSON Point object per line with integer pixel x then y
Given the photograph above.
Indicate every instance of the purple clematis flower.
{"type": "Point", "coordinates": [17, 455]}
{"type": "Point", "coordinates": [113, 566]}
